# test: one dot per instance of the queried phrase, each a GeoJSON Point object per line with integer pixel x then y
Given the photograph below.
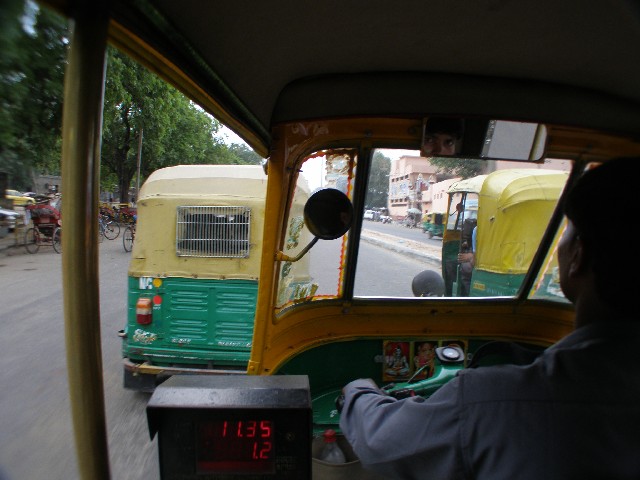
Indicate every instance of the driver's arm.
{"type": "Point", "coordinates": [408, 438]}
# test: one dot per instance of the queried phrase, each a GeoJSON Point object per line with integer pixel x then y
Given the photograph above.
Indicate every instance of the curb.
{"type": "Point", "coordinates": [398, 247]}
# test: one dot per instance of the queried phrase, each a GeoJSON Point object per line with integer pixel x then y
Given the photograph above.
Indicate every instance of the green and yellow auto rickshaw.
{"type": "Point", "coordinates": [193, 274]}
{"type": "Point", "coordinates": [433, 224]}
{"type": "Point", "coordinates": [511, 210]}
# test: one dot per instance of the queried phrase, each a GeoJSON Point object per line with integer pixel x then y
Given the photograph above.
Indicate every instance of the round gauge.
{"type": "Point", "coordinates": [450, 353]}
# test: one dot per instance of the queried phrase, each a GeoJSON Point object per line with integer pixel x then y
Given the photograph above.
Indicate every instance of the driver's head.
{"type": "Point", "coordinates": [598, 214]}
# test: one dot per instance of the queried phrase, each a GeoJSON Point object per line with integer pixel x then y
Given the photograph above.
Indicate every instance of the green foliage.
{"type": "Point", "coordinates": [137, 104]}
{"type": "Point", "coordinates": [174, 130]}
{"type": "Point", "coordinates": [31, 82]}
{"type": "Point", "coordinates": [378, 187]}
{"type": "Point", "coordinates": [465, 168]}
{"type": "Point", "coordinates": [243, 155]}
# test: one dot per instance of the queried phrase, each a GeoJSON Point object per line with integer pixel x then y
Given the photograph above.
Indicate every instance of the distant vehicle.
{"type": "Point", "coordinates": [8, 218]}
{"type": "Point", "coordinates": [38, 197]}
{"type": "Point", "coordinates": [433, 224]}
{"type": "Point", "coordinates": [19, 199]}
{"type": "Point", "coordinates": [368, 214]}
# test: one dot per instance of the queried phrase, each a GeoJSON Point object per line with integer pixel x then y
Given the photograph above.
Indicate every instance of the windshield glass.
{"type": "Point", "coordinates": [430, 227]}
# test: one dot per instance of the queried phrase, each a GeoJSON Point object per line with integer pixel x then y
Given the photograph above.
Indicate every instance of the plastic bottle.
{"type": "Point", "coordinates": [331, 452]}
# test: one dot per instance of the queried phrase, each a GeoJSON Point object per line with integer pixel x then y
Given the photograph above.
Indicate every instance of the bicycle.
{"type": "Point", "coordinates": [128, 236]}
{"type": "Point", "coordinates": [109, 228]}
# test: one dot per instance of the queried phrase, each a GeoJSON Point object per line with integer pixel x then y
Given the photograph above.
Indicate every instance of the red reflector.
{"type": "Point", "coordinates": [143, 311]}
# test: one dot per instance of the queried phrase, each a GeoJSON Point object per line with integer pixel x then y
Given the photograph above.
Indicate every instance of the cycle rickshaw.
{"type": "Point", "coordinates": [46, 228]}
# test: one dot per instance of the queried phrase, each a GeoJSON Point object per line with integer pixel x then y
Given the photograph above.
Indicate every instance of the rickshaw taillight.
{"type": "Point", "coordinates": [143, 311]}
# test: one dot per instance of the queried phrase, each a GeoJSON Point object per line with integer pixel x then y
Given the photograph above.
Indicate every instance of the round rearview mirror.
{"type": "Point", "coordinates": [328, 214]}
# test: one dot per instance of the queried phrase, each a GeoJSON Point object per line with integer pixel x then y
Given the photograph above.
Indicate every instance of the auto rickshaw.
{"type": "Point", "coordinates": [510, 209]}
{"type": "Point", "coordinates": [433, 224]}
{"type": "Point", "coordinates": [193, 274]}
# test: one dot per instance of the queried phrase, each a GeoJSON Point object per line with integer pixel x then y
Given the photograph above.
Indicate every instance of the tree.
{"type": "Point", "coordinates": [174, 131]}
{"type": "Point", "coordinates": [244, 155]}
{"type": "Point", "coordinates": [464, 168]}
{"type": "Point", "coordinates": [378, 187]}
{"type": "Point", "coordinates": [138, 104]}
{"type": "Point", "coordinates": [31, 86]}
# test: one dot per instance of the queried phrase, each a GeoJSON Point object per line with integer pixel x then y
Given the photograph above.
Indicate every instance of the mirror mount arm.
{"type": "Point", "coordinates": [282, 257]}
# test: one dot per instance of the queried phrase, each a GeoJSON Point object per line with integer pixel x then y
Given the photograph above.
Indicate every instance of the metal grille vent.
{"type": "Point", "coordinates": [213, 231]}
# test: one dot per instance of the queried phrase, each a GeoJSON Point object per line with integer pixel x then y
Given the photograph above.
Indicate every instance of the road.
{"type": "Point", "coordinates": [36, 439]}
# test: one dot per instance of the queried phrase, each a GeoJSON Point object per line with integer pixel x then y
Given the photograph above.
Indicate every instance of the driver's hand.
{"type": "Point", "coordinates": [340, 398]}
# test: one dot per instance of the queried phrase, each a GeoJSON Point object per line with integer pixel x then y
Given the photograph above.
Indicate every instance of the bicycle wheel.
{"type": "Point", "coordinates": [32, 240]}
{"type": "Point", "coordinates": [100, 232]}
{"type": "Point", "coordinates": [56, 240]}
{"type": "Point", "coordinates": [127, 239]}
{"type": "Point", "coordinates": [111, 230]}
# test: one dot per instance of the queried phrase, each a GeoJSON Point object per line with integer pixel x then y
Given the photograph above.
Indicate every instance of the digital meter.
{"type": "Point", "coordinates": [232, 427]}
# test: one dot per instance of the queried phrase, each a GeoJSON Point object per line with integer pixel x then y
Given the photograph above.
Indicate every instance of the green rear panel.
{"type": "Point", "coordinates": [490, 284]}
{"type": "Point", "coordinates": [195, 322]}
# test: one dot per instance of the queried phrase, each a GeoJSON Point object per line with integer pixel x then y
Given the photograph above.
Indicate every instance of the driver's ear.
{"type": "Point", "coordinates": [578, 262]}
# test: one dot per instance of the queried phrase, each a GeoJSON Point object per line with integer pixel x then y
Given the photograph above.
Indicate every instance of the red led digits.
{"type": "Point", "coordinates": [251, 429]}
{"type": "Point", "coordinates": [236, 446]}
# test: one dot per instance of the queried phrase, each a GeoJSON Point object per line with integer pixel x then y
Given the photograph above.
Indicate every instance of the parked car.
{"type": "Point", "coordinates": [8, 219]}
{"type": "Point", "coordinates": [368, 214]}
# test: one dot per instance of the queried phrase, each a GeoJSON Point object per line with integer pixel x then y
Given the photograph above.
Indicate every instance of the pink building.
{"type": "Point", "coordinates": [414, 183]}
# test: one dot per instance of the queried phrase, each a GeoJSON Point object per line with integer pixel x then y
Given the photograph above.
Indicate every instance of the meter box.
{"type": "Point", "coordinates": [232, 427]}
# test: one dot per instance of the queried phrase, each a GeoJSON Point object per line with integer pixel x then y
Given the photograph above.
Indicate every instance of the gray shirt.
{"type": "Point", "coordinates": [572, 413]}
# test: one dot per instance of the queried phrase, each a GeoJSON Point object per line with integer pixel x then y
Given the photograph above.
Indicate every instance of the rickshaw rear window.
{"type": "Point", "coordinates": [213, 231]}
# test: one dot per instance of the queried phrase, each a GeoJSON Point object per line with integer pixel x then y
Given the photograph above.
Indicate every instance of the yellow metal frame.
{"type": "Point", "coordinates": [81, 140]}
{"type": "Point", "coordinates": [307, 325]}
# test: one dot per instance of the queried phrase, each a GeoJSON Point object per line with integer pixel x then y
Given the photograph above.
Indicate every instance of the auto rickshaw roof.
{"type": "Point", "coordinates": [473, 184]}
{"type": "Point", "coordinates": [508, 202]}
{"type": "Point", "coordinates": [256, 64]}
{"type": "Point", "coordinates": [509, 187]}
{"type": "Point", "coordinates": [193, 180]}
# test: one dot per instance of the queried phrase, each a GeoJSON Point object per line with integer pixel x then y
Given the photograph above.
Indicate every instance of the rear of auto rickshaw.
{"type": "Point", "coordinates": [433, 224]}
{"type": "Point", "coordinates": [193, 275]}
{"type": "Point", "coordinates": [510, 210]}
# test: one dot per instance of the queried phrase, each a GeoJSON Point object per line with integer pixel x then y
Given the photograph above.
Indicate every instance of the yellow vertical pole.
{"type": "Point", "coordinates": [81, 137]}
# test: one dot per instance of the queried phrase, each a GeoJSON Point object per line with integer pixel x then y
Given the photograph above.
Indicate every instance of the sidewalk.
{"type": "Point", "coordinates": [419, 250]}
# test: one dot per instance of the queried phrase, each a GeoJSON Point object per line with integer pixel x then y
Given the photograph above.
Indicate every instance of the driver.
{"type": "Point", "coordinates": [572, 413]}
